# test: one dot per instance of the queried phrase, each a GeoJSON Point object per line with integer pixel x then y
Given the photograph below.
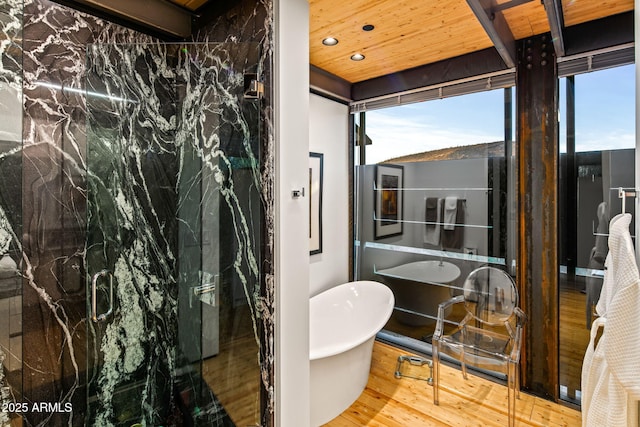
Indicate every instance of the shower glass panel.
{"type": "Point", "coordinates": [173, 235]}
{"type": "Point", "coordinates": [10, 211]}
{"type": "Point", "coordinates": [597, 158]}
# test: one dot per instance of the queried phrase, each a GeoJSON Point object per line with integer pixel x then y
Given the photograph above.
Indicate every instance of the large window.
{"type": "Point", "coordinates": [417, 129]}
{"type": "Point", "coordinates": [597, 159]}
{"type": "Point", "coordinates": [417, 157]}
{"type": "Point", "coordinates": [433, 202]}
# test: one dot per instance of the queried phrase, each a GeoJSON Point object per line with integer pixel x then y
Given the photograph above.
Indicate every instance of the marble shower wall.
{"type": "Point", "coordinates": [51, 216]}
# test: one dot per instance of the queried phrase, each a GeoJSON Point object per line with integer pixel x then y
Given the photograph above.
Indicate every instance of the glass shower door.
{"type": "Point", "coordinates": [173, 235]}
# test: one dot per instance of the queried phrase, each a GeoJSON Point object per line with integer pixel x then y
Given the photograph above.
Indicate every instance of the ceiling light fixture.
{"type": "Point", "coordinates": [368, 27]}
{"type": "Point", "coordinates": [357, 57]}
{"type": "Point", "coordinates": [330, 41]}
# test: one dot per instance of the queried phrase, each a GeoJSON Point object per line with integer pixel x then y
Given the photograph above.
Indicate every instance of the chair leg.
{"type": "Point", "coordinates": [512, 386]}
{"type": "Point", "coordinates": [517, 376]}
{"type": "Point", "coordinates": [435, 355]}
{"type": "Point", "coordinates": [463, 365]}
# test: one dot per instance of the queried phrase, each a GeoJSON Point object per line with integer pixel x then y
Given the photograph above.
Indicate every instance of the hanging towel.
{"type": "Point", "coordinates": [594, 367]}
{"type": "Point", "coordinates": [433, 207]}
{"type": "Point", "coordinates": [619, 247]}
{"type": "Point", "coordinates": [453, 238]}
{"type": "Point", "coordinates": [611, 371]}
{"type": "Point", "coordinates": [450, 209]}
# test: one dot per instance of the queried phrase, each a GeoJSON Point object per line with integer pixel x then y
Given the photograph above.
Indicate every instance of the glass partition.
{"type": "Point", "coordinates": [11, 331]}
{"type": "Point", "coordinates": [173, 235]}
{"type": "Point", "coordinates": [597, 159]}
{"type": "Point", "coordinates": [425, 235]}
{"type": "Point", "coordinates": [426, 219]}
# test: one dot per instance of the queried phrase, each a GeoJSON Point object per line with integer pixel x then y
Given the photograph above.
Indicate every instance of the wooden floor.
{"type": "Point", "coordinates": [234, 373]}
{"type": "Point", "coordinates": [391, 402]}
{"type": "Point", "coordinates": [573, 339]}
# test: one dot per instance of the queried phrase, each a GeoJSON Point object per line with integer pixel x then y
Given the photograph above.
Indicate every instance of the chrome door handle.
{"type": "Point", "coordinates": [94, 300]}
{"type": "Point", "coordinates": [204, 291]}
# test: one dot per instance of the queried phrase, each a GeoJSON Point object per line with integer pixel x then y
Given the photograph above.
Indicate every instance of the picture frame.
{"type": "Point", "coordinates": [388, 196]}
{"type": "Point", "coordinates": [316, 166]}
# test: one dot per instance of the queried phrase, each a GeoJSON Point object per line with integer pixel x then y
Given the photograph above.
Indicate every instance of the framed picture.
{"type": "Point", "coordinates": [388, 201]}
{"type": "Point", "coordinates": [315, 202]}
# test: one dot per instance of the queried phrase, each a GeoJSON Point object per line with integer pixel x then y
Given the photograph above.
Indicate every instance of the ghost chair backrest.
{"type": "Point", "coordinates": [490, 295]}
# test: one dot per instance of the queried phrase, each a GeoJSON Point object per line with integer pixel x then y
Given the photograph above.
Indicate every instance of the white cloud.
{"type": "Point", "coordinates": [397, 136]}
{"type": "Point", "coordinates": [605, 140]}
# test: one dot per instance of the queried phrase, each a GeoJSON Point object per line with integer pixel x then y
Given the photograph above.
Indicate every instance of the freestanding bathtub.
{"type": "Point", "coordinates": [419, 287]}
{"type": "Point", "coordinates": [343, 324]}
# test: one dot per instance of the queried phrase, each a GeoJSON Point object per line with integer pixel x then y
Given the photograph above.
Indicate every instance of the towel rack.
{"type": "Point", "coordinates": [459, 198]}
{"type": "Point", "coordinates": [623, 193]}
{"type": "Point", "coordinates": [376, 188]}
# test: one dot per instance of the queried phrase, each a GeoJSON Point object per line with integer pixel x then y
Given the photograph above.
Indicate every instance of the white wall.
{"type": "Point", "coordinates": [329, 135]}
{"type": "Point", "coordinates": [291, 110]}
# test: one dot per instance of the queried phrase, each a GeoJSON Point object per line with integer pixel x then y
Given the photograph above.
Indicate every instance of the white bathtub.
{"type": "Point", "coordinates": [420, 286]}
{"type": "Point", "coordinates": [342, 327]}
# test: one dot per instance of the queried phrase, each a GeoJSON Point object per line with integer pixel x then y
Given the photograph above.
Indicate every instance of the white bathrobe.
{"type": "Point", "coordinates": [611, 371]}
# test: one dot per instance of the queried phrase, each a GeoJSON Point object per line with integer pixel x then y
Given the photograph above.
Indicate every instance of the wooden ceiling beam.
{"type": "Point", "coordinates": [556, 24]}
{"type": "Point", "coordinates": [496, 27]}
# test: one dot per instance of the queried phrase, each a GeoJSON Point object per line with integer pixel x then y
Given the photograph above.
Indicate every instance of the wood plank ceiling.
{"type": "Point", "coordinates": [410, 33]}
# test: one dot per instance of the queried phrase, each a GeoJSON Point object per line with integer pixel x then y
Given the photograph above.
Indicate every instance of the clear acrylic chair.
{"type": "Point", "coordinates": [490, 334]}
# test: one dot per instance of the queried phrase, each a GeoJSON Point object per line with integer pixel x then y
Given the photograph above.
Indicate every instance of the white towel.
{"type": "Point", "coordinates": [450, 211]}
{"type": "Point", "coordinates": [620, 248]}
{"type": "Point", "coordinates": [594, 369]}
{"type": "Point", "coordinates": [611, 371]}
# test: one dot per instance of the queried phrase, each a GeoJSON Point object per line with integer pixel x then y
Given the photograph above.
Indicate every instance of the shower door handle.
{"type": "Point", "coordinates": [94, 297]}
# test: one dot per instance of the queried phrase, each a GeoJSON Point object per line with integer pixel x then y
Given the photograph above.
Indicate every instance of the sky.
{"type": "Point", "coordinates": [605, 118]}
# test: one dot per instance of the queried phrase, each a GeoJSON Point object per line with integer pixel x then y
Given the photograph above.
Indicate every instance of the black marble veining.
{"type": "Point", "coordinates": [144, 159]}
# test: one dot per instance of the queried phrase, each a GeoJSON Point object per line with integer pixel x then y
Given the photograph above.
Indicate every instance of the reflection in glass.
{"type": "Point", "coordinates": [174, 212]}
{"type": "Point", "coordinates": [455, 210]}
{"type": "Point", "coordinates": [10, 209]}
{"type": "Point", "coordinates": [598, 160]}
{"type": "Point", "coordinates": [449, 230]}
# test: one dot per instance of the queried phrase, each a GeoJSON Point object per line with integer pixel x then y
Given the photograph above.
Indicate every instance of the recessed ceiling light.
{"type": "Point", "coordinates": [357, 57]}
{"type": "Point", "coordinates": [330, 41]}
{"type": "Point", "coordinates": [368, 27]}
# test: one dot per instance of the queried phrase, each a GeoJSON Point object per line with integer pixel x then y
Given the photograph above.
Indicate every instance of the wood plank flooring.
{"type": "Point", "coordinates": [405, 402]}
{"type": "Point", "coordinates": [389, 402]}
{"type": "Point", "coordinates": [234, 373]}
{"type": "Point", "coordinates": [574, 339]}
